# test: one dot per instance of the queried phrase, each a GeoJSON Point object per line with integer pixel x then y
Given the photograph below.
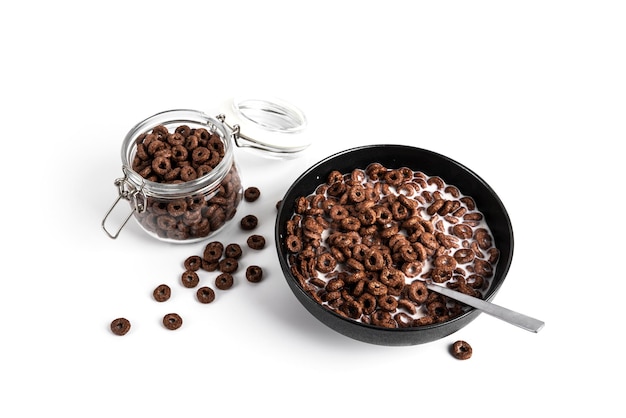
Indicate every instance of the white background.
{"type": "Point", "coordinates": [530, 95]}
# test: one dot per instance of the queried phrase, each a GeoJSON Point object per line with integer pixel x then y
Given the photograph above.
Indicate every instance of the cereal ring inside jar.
{"type": "Point", "coordinates": [177, 207]}
{"type": "Point", "coordinates": [200, 155]}
{"type": "Point", "coordinates": [183, 130]}
{"type": "Point", "coordinates": [188, 173]}
{"type": "Point", "coordinates": [352, 308]}
{"type": "Point", "coordinates": [161, 165]}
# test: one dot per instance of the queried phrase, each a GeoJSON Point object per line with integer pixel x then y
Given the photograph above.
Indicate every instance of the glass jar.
{"type": "Point", "coordinates": [186, 208]}
{"type": "Point", "coordinates": [179, 194]}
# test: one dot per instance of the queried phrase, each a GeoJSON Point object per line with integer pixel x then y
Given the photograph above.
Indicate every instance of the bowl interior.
{"type": "Point", "coordinates": [417, 159]}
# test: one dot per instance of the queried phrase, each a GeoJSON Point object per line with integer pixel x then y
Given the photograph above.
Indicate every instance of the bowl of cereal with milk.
{"type": "Point", "coordinates": [360, 233]}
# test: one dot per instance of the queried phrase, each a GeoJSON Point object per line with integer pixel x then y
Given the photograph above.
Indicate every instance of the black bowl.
{"type": "Point", "coordinates": [431, 164]}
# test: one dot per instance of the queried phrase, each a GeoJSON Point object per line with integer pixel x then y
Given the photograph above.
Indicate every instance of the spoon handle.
{"type": "Point", "coordinates": [512, 317]}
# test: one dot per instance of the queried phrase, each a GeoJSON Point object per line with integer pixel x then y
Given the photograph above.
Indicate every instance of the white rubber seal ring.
{"type": "Point", "coordinates": [269, 124]}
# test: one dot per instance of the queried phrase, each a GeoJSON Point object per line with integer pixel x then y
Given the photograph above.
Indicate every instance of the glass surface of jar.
{"type": "Point", "coordinates": [180, 176]}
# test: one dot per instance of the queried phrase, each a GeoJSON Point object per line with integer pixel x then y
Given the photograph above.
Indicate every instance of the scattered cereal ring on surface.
{"type": "Point", "coordinates": [205, 295]}
{"type": "Point", "coordinates": [224, 281]}
{"type": "Point", "coordinates": [249, 222]}
{"type": "Point", "coordinates": [193, 263]}
{"type": "Point", "coordinates": [251, 194]}
{"type": "Point", "coordinates": [256, 242]}
{"type": "Point", "coordinates": [233, 251]}
{"type": "Point", "coordinates": [162, 293]}
{"type": "Point", "coordinates": [213, 251]}
{"type": "Point", "coordinates": [172, 321]}
{"type": "Point", "coordinates": [254, 274]}
{"type": "Point", "coordinates": [228, 265]}
{"type": "Point", "coordinates": [461, 350]}
{"type": "Point", "coordinates": [189, 278]}
{"type": "Point", "coordinates": [120, 326]}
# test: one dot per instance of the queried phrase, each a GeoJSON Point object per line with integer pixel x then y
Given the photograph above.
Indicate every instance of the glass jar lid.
{"type": "Point", "coordinates": [267, 124]}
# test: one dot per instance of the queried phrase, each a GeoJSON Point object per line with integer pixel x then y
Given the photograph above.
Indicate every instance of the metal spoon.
{"type": "Point", "coordinates": [512, 317]}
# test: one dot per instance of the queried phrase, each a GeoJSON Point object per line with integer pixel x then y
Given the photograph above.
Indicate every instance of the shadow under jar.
{"type": "Point", "coordinates": [180, 176]}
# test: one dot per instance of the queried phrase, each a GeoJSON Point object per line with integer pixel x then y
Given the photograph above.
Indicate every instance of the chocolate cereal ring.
{"type": "Point", "coordinates": [213, 251]}
{"type": "Point", "coordinates": [205, 295]}
{"type": "Point", "coordinates": [368, 303]}
{"type": "Point", "coordinates": [184, 130]}
{"type": "Point", "coordinates": [172, 321]}
{"type": "Point", "coordinates": [224, 281]}
{"type": "Point", "coordinates": [190, 279]}
{"type": "Point", "coordinates": [175, 139]}
{"type": "Point", "coordinates": [352, 308]}
{"type": "Point", "coordinates": [461, 350]}
{"type": "Point", "coordinates": [251, 194]}
{"type": "Point", "coordinates": [403, 320]}
{"type": "Point", "coordinates": [191, 142]}
{"type": "Point", "coordinates": [387, 303]}
{"type": "Point", "coordinates": [188, 173]}
{"type": "Point", "coordinates": [200, 154]}
{"type": "Point", "coordinates": [294, 243]}
{"type": "Point", "coordinates": [249, 222]}
{"type": "Point", "coordinates": [254, 274]}
{"type": "Point", "coordinates": [228, 265]}
{"type": "Point", "coordinates": [120, 326]}
{"type": "Point", "coordinates": [177, 207]}
{"type": "Point", "coordinates": [162, 293]}
{"type": "Point", "coordinates": [483, 238]}
{"type": "Point", "coordinates": [464, 255]}
{"type": "Point", "coordinates": [161, 165]}
{"type": "Point", "coordinates": [202, 134]}
{"type": "Point", "coordinates": [256, 242]}
{"type": "Point", "coordinates": [193, 263]}
{"type": "Point", "coordinates": [418, 292]}
{"type": "Point", "coordinates": [325, 262]}
{"type": "Point", "coordinates": [445, 262]}
{"type": "Point", "coordinates": [233, 251]}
